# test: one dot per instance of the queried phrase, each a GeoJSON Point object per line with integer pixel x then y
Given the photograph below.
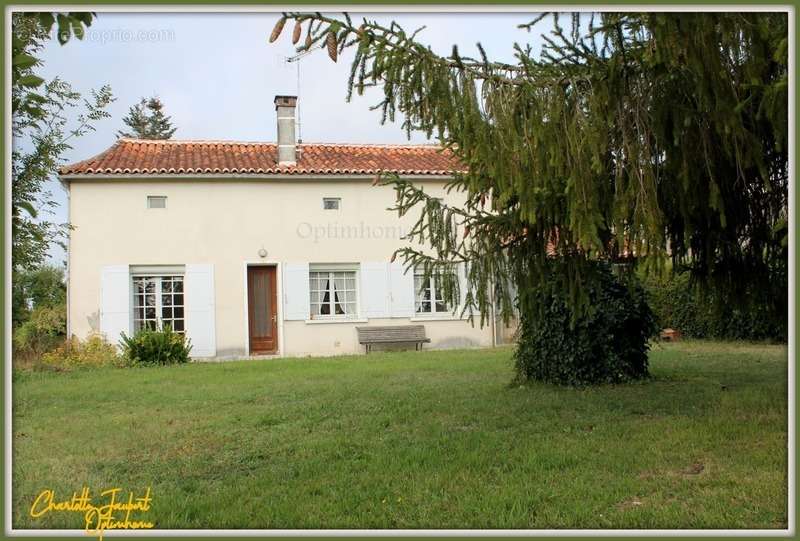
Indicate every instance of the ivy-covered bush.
{"type": "Point", "coordinates": [149, 347]}
{"type": "Point", "coordinates": [679, 305]}
{"type": "Point", "coordinates": [94, 352]}
{"type": "Point", "coordinates": [609, 344]}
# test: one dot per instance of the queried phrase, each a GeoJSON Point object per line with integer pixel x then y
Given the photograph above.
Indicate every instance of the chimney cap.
{"type": "Point", "coordinates": [285, 101]}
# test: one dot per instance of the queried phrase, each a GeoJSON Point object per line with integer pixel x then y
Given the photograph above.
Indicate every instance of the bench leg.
{"type": "Point", "coordinates": [417, 345]}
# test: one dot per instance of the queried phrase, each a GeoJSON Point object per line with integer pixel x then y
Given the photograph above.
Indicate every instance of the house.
{"type": "Point", "coordinates": [252, 248]}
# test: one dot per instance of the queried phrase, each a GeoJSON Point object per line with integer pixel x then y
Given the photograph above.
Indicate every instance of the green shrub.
{"type": "Point", "coordinates": [678, 304]}
{"type": "Point", "coordinates": [607, 345]}
{"type": "Point", "coordinates": [35, 288]}
{"type": "Point", "coordinates": [44, 330]}
{"type": "Point", "coordinates": [149, 347]}
{"type": "Point", "coordinates": [93, 352]}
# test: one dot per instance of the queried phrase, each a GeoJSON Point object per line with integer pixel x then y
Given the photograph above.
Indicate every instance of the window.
{"type": "Point", "coordinates": [428, 297]}
{"type": "Point", "coordinates": [158, 301]}
{"type": "Point", "coordinates": [331, 203]}
{"type": "Point", "coordinates": [156, 201]}
{"type": "Point", "coordinates": [333, 294]}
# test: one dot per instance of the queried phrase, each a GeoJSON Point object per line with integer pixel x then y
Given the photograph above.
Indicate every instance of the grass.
{"type": "Point", "coordinates": [407, 440]}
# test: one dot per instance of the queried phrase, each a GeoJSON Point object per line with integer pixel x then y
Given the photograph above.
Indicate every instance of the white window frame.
{"type": "Point", "coordinates": [338, 201]}
{"type": "Point", "coordinates": [331, 270]}
{"type": "Point", "coordinates": [159, 293]}
{"type": "Point", "coordinates": [433, 300]}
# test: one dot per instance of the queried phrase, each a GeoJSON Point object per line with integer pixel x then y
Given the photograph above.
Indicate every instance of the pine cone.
{"type": "Point", "coordinates": [331, 42]}
{"type": "Point", "coordinates": [276, 32]}
{"type": "Point", "coordinates": [309, 41]}
{"type": "Point", "coordinates": [298, 29]}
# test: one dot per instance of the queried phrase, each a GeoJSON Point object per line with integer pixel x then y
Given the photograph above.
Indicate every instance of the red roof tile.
{"type": "Point", "coordinates": [164, 158]}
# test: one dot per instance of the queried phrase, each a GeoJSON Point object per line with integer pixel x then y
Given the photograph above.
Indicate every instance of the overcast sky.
{"type": "Point", "coordinates": [217, 75]}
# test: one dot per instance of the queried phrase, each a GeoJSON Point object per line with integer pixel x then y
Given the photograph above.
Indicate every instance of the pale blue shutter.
{"type": "Point", "coordinates": [401, 287]}
{"type": "Point", "coordinates": [115, 303]}
{"type": "Point", "coordinates": [296, 297]}
{"type": "Point", "coordinates": [375, 290]}
{"type": "Point", "coordinates": [199, 309]}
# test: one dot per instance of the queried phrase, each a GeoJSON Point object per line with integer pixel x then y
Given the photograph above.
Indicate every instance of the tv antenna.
{"type": "Point", "coordinates": [295, 59]}
{"type": "Point", "coordinates": [304, 52]}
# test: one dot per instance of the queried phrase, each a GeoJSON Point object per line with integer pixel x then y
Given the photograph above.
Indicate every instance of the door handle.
{"type": "Point", "coordinates": [275, 318]}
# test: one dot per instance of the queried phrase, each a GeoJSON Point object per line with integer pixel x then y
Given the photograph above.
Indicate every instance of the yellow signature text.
{"type": "Point", "coordinates": [114, 512]}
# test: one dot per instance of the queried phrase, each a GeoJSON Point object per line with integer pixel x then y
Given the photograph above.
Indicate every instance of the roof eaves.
{"type": "Point", "coordinates": [247, 176]}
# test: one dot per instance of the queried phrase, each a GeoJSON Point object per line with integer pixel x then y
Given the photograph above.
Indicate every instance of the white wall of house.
{"type": "Point", "coordinates": [214, 228]}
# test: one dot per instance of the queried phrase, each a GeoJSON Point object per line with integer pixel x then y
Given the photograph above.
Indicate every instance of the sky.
{"type": "Point", "coordinates": [217, 75]}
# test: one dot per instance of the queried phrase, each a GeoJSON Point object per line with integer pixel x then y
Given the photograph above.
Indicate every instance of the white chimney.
{"type": "Point", "coordinates": [287, 144]}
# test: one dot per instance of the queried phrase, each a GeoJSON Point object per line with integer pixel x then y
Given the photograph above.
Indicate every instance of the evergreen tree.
{"type": "Point", "coordinates": [146, 120]}
{"type": "Point", "coordinates": [160, 124]}
{"type": "Point", "coordinates": [136, 121]}
{"type": "Point", "coordinates": [631, 138]}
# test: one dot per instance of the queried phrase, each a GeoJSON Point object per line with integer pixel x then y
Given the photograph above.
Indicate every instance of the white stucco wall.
{"type": "Point", "coordinates": [224, 223]}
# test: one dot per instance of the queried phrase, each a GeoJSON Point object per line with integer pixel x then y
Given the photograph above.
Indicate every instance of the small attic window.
{"type": "Point", "coordinates": [331, 203]}
{"type": "Point", "coordinates": [156, 201]}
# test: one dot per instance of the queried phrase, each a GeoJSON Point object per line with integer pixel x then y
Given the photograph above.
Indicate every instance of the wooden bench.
{"type": "Point", "coordinates": [394, 334]}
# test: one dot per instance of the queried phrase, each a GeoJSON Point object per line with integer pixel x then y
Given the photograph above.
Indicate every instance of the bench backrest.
{"type": "Point", "coordinates": [391, 333]}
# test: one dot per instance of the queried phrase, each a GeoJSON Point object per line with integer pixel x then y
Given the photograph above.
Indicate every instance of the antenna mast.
{"type": "Point", "coordinates": [296, 59]}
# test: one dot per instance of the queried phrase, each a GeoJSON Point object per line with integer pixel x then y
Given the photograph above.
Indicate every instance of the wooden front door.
{"type": "Point", "coordinates": [262, 311]}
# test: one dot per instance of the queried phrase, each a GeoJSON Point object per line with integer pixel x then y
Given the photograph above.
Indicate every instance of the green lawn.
{"type": "Point", "coordinates": [415, 440]}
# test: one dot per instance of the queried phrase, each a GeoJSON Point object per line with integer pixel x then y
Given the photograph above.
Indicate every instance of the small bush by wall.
{"type": "Point", "coordinates": [94, 352]}
{"type": "Point", "coordinates": [148, 347]}
{"type": "Point", "coordinates": [677, 304]}
{"type": "Point", "coordinates": [608, 345]}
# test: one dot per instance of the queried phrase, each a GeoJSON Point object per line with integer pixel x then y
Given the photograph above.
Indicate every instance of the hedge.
{"type": "Point", "coordinates": [677, 304]}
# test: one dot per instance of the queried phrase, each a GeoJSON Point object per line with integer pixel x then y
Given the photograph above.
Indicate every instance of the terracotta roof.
{"type": "Point", "coordinates": [147, 157]}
